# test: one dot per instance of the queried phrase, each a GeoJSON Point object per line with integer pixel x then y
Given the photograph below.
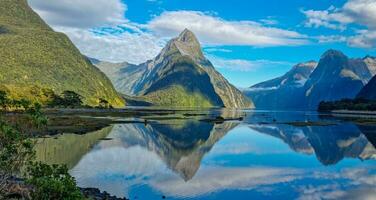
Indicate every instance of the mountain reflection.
{"type": "Point", "coordinates": [330, 143]}
{"type": "Point", "coordinates": [188, 158]}
{"type": "Point", "coordinates": [181, 144]}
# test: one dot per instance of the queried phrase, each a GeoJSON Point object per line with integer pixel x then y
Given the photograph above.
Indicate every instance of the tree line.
{"type": "Point", "coordinates": [67, 99]}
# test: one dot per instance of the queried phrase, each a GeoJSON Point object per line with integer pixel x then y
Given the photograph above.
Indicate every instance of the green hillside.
{"type": "Point", "coordinates": [35, 59]}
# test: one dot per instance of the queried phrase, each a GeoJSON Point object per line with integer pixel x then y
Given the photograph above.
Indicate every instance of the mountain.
{"type": "Point", "coordinates": [277, 93]}
{"type": "Point", "coordinates": [334, 78]}
{"type": "Point", "coordinates": [337, 77]}
{"type": "Point", "coordinates": [369, 91]}
{"type": "Point", "coordinates": [179, 76]}
{"type": "Point", "coordinates": [181, 145]}
{"type": "Point", "coordinates": [330, 144]}
{"type": "Point", "coordinates": [36, 60]}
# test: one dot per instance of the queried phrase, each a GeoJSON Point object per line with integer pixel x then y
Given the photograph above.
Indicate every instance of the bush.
{"type": "Point", "coordinates": [16, 154]}
{"type": "Point", "coordinates": [68, 99]}
{"type": "Point", "coordinates": [15, 150]}
{"type": "Point", "coordinates": [52, 182]}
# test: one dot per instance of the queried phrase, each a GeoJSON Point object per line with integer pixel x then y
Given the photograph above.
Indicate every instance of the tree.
{"type": "Point", "coordinates": [4, 101]}
{"type": "Point", "coordinates": [67, 99]}
{"type": "Point", "coordinates": [72, 99]}
{"type": "Point", "coordinates": [104, 104]}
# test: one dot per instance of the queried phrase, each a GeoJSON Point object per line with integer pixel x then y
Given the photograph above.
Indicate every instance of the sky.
{"type": "Point", "coordinates": [247, 41]}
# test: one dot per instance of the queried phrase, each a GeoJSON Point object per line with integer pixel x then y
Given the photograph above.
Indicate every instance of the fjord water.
{"type": "Point", "coordinates": [268, 155]}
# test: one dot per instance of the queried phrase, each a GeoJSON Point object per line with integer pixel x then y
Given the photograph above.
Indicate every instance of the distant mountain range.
{"type": "Point", "coordinates": [281, 92]}
{"type": "Point", "coordinates": [179, 76]}
{"type": "Point", "coordinates": [330, 144]}
{"type": "Point", "coordinates": [36, 60]}
{"type": "Point", "coordinates": [335, 77]}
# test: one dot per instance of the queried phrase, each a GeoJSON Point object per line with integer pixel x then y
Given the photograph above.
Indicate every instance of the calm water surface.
{"type": "Point", "coordinates": [261, 157]}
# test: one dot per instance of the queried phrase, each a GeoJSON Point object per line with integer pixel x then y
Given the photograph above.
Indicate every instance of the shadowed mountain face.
{"type": "Point", "coordinates": [336, 77]}
{"type": "Point", "coordinates": [36, 60]}
{"type": "Point", "coordinates": [330, 144]}
{"type": "Point", "coordinates": [284, 92]}
{"type": "Point", "coordinates": [369, 91]}
{"type": "Point", "coordinates": [179, 76]}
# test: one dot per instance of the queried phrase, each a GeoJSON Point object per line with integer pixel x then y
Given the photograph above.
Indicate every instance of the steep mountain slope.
{"type": "Point", "coordinates": [282, 92]}
{"type": "Point", "coordinates": [179, 76]}
{"type": "Point", "coordinates": [369, 91]}
{"type": "Point", "coordinates": [337, 77]}
{"type": "Point", "coordinates": [34, 59]}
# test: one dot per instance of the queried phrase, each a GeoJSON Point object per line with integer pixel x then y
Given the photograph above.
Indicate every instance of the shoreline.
{"type": "Point", "coordinates": [354, 113]}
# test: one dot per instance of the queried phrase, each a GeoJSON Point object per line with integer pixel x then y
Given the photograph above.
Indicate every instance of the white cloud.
{"type": "Point", "coordinates": [82, 21]}
{"type": "Point", "coordinates": [211, 179]}
{"type": "Point", "coordinates": [215, 49]}
{"type": "Point", "coordinates": [360, 12]}
{"type": "Point", "coordinates": [213, 30]}
{"type": "Point", "coordinates": [330, 18]}
{"type": "Point", "coordinates": [331, 38]}
{"type": "Point", "coordinates": [125, 46]}
{"type": "Point", "coordinates": [364, 39]}
{"type": "Point", "coordinates": [80, 14]}
{"type": "Point", "coordinates": [123, 40]}
{"type": "Point", "coordinates": [244, 65]}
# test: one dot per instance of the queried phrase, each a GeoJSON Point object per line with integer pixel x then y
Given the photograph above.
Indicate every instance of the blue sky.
{"type": "Point", "coordinates": [247, 41]}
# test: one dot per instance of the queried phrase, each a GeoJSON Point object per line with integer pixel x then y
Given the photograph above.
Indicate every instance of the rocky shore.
{"type": "Point", "coordinates": [16, 188]}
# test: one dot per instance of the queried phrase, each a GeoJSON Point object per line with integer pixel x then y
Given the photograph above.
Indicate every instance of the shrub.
{"type": "Point", "coordinates": [15, 150]}
{"type": "Point", "coordinates": [52, 182]}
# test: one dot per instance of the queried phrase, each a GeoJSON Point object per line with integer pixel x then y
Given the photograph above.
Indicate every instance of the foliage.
{"type": "Point", "coordinates": [52, 182]}
{"type": "Point", "coordinates": [104, 104]}
{"type": "Point", "coordinates": [15, 150]}
{"type": "Point", "coordinates": [12, 104]}
{"type": "Point", "coordinates": [32, 56]}
{"type": "Point", "coordinates": [348, 104]}
{"type": "Point", "coordinates": [38, 118]}
{"type": "Point", "coordinates": [67, 99]}
{"type": "Point", "coordinates": [177, 96]}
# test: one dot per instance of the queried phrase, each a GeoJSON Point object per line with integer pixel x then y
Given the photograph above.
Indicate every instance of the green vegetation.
{"type": "Point", "coordinates": [52, 182]}
{"type": "Point", "coordinates": [16, 152]}
{"type": "Point", "coordinates": [178, 96]}
{"type": "Point", "coordinates": [348, 104]}
{"type": "Point", "coordinates": [34, 59]}
{"type": "Point", "coordinates": [68, 99]}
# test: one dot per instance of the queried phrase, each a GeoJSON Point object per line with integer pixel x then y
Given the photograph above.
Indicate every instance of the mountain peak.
{"type": "Point", "coordinates": [333, 53]}
{"type": "Point", "coordinates": [369, 57]}
{"type": "Point", "coordinates": [187, 36]}
{"type": "Point", "coordinates": [188, 45]}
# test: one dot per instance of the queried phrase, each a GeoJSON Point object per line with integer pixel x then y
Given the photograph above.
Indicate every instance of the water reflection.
{"type": "Point", "coordinates": [193, 159]}
{"type": "Point", "coordinates": [330, 144]}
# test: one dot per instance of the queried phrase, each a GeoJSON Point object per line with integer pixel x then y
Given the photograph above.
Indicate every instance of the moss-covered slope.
{"type": "Point", "coordinates": [34, 58]}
